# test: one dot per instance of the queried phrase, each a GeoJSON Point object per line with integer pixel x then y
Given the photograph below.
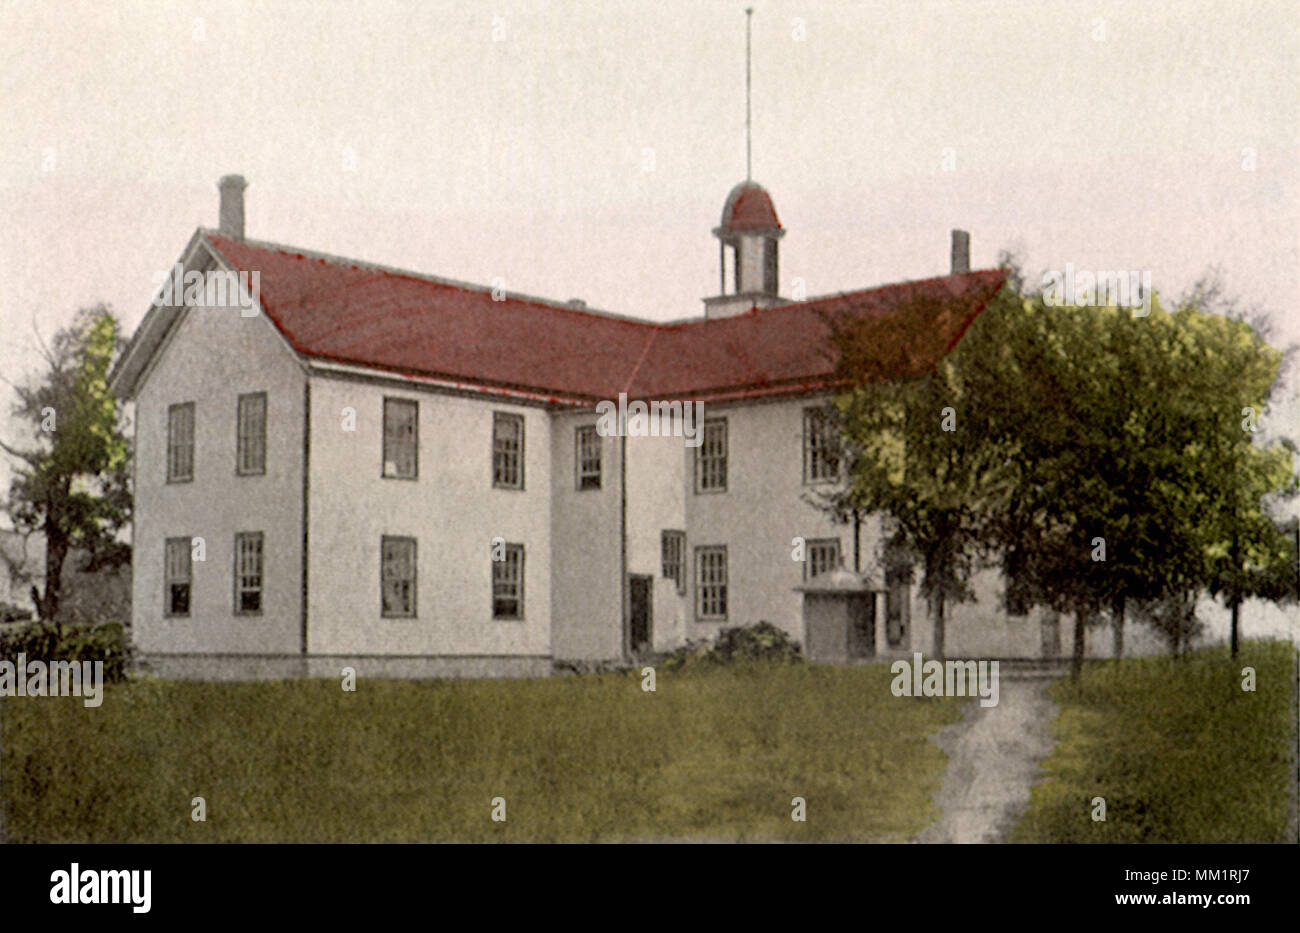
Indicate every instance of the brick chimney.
{"type": "Point", "coordinates": [232, 206]}
{"type": "Point", "coordinates": [960, 252]}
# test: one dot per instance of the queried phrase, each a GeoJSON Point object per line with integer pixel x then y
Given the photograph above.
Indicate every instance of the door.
{"type": "Point", "coordinates": [897, 601]}
{"type": "Point", "coordinates": [639, 635]}
{"type": "Point", "coordinates": [1051, 632]}
{"type": "Point", "coordinates": [862, 625]}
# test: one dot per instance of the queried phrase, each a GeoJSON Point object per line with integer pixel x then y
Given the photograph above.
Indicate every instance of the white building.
{"type": "Point", "coordinates": [403, 473]}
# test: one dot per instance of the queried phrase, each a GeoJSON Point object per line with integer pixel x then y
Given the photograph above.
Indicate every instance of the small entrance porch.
{"type": "Point", "coordinates": [839, 618]}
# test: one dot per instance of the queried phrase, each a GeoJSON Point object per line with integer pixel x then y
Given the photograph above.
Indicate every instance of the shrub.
{"type": "Point", "coordinates": [763, 642]}
{"type": "Point", "coordinates": [9, 612]}
{"type": "Point", "coordinates": [107, 642]}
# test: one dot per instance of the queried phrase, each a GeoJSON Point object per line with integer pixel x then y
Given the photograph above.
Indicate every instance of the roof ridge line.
{"type": "Point", "coordinates": [551, 303]}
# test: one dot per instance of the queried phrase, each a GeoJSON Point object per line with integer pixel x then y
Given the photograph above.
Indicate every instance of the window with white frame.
{"type": "Point", "coordinates": [822, 555]}
{"type": "Point", "coordinates": [711, 582]}
{"type": "Point", "coordinates": [587, 457]}
{"type": "Point", "coordinates": [250, 446]}
{"type": "Point", "coordinates": [180, 442]}
{"type": "Point", "coordinates": [176, 577]}
{"type": "Point", "coordinates": [397, 577]}
{"type": "Point", "coordinates": [673, 553]}
{"type": "Point", "coordinates": [507, 451]}
{"type": "Point", "coordinates": [401, 438]}
{"type": "Point", "coordinates": [248, 573]}
{"type": "Point", "coordinates": [711, 457]}
{"type": "Point", "coordinates": [821, 460]}
{"type": "Point", "coordinates": [508, 584]}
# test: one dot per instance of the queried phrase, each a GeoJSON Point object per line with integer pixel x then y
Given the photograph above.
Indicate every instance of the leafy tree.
{"type": "Point", "coordinates": [1248, 555]}
{"type": "Point", "coordinates": [72, 482]}
{"type": "Point", "coordinates": [908, 451]}
{"type": "Point", "coordinates": [1126, 465]}
{"type": "Point", "coordinates": [1097, 455]}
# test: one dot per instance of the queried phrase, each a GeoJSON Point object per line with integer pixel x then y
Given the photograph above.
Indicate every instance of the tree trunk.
{"type": "Point", "coordinates": [56, 551]}
{"type": "Point", "coordinates": [1119, 629]}
{"type": "Point", "coordinates": [1236, 622]}
{"type": "Point", "coordinates": [936, 616]}
{"type": "Point", "coordinates": [857, 541]}
{"type": "Point", "coordinates": [1076, 662]}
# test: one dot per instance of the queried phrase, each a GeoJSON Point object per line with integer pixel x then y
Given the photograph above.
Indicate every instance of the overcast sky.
{"type": "Point", "coordinates": [585, 149]}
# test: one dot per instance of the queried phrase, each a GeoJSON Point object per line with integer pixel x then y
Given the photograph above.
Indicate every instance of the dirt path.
{"type": "Point", "coordinates": [993, 756]}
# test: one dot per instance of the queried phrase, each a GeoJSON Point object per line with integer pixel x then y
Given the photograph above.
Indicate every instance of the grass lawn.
{"type": "Point", "coordinates": [1177, 749]}
{"type": "Point", "coordinates": [710, 755]}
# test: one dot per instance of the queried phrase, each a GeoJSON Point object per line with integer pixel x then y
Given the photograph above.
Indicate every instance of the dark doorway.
{"type": "Point", "coordinates": [1051, 632]}
{"type": "Point", "coordinates": [897, 600]}
{"type": "Point", "coordinates": [862, 625]}
{"type": "Point", "coordinates": [639, 614]}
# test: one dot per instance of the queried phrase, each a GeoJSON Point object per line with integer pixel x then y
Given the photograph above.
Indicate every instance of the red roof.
{"type": "Point", "coordinates": [351, 312]}
{"type": "Point", "coordinates": [748, 208]}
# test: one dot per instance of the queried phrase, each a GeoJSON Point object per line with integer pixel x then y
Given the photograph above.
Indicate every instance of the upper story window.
{"type": "Point", "coordinates": [587, 457]}
{"type": "Point", "coordinates": [673, 557]}
{"type": "Point", "coordinates": [821, 461]}
{"type": "Point", "coordinates": [180, 443]}
{"type": "Point", "coordinates": [711, 583]}
{"type": "Point", "coordinates": [397, 577]}
{"type": "Point", "coordinates": [823, 556]}
{"type": "Point", "coordinates": [250, 442]}
{"type": "Point", "coordinates": [248, 573]}
{"type": "Point", "coordinates": [508, 584]}
{"type": "Point", "coordinates": [507, 451]}
{"type": "Point", "coordinates": [401, 438]}
{"type": "Point", "coordinates": [711, 458]}
{"type": "Point", "coordinates": [176, 577]}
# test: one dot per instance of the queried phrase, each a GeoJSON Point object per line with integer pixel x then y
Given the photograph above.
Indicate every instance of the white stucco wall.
{"type": "Point", "coordinates": [657, 501]}
{"type": "Point", "coordinates": [213, 357]}
{"type": "Point", "coordinates": [758, 516]}
{"type": "Point", "coordinates": [587, 594]}
{"type": "Point", "coordinates": [451, 509]}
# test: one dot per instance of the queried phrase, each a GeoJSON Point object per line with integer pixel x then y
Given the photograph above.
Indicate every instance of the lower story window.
{"type": "Point", "coordinates": [508, 583]}
{"type": "Point", "coordinates": [711, 582]}
{"type": "Point", "coordinates": [248, 573]}
{"type": "Point", "coordinates": [823, 556]}
{"type": "Point", "coordinates": [397, 577]}
{"type": "Point", "coordinates": [176, 577]}
{"type": "Point", "coordinates": [673, 553]}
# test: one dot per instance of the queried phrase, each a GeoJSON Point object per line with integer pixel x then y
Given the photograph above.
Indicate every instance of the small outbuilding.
{"type": "Point", "coordinates": [839, 617]}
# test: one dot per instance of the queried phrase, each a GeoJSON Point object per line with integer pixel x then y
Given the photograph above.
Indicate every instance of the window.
{"type": "Point", "coordinates": [587, 457]}
{"type": "Point", "coordinates": [821, 461]}
{"type": "Point", "coordinates": [823, 555]}
{"type": "Point", "coordinates": [401, 438]}
{"type": "Point", "coordinates": [180, 443]}
{"type": "Point", "coordinates": [397, 577]}
{"type": "Point", "coordinates": [673, 553]}
{"type": "Point", "coordinates": [176, 577]}
{"type": "Point", "coordinates": [711, 582]}
{"type": "Point", "coordinates": [507, 451]}
{"type": "Point", "coordinates": [248, 573]}
{"type": "Point", "coordinates": [711, 458]}
{"type": "Point", "coordinates": [508, 584]}
{"type": "Point", "coordinates": [250, 442]}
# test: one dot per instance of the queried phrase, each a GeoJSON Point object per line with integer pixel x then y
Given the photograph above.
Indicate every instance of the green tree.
{"type": "Point", "coordinates": [909, 452]}
{"type": "Point", "coordinates": [72, 481]}
{"type": "Point", "coordinates": [1248, 554]}
{"type": "Point", "coordinates": [1127, 471]}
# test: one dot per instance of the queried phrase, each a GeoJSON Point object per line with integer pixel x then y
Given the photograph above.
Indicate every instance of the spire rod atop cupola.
{"type": "Point", "coordinates": [749, 19]}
